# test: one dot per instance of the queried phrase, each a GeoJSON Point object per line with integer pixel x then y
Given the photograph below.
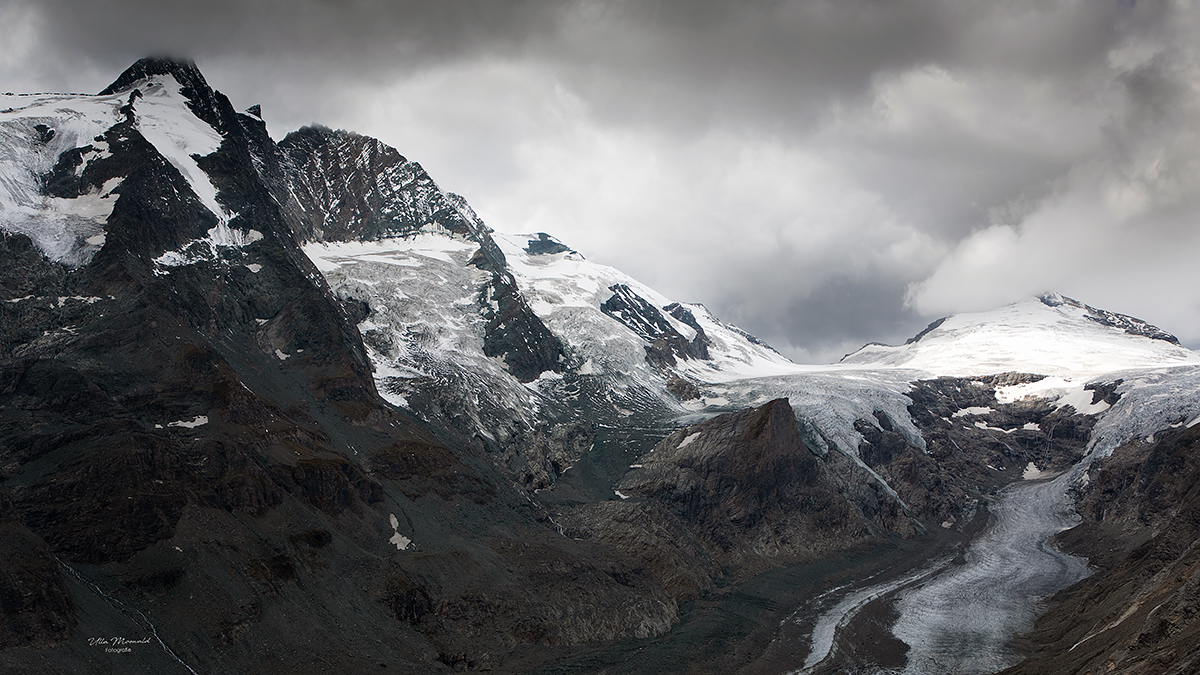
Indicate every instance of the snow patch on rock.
{"type": "Point", "coordinates": [973, 410]}
{"type": "Point", "coordinates": [197, 421]}
{"type": "Point", "coordinates": [400, 541]}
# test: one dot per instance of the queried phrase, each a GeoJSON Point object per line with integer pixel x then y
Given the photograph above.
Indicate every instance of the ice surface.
{"type": "Point", "coordinates": [425, 324]}
{"type": "Point", "coordinates": [961, 621]}
{"type": "Point", "coordinates": [1151, 400]}
{"type": "Point", "coordinates": [832, 400]}
{"type": "Point", "coordinates": [65, 230]}
{"type": "Point", "coordinates": [822, 642]}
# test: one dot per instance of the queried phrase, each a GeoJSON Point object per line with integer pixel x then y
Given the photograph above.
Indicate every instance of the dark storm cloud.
{"type": "Point", "coordinates": [804, 168]}
{"type": "Point", "coordinates": [829, 322]}
{"type": "Point", "coordinates": [366, 35]}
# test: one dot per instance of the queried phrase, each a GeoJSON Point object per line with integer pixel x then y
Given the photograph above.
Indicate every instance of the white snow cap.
{"type": "Point", "coordinates": [1050, 335]}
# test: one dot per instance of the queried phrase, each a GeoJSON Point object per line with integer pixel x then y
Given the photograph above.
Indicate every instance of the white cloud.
{"type": "Point", "coordinates": [1121, 229]}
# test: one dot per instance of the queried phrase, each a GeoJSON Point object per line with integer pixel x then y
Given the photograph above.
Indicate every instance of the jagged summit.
{"type": "Point", "coordinates": [203, 100]}
{"type": "Point", "coordinates": [1049, 334]}
{"type": "Point", "coordinates": [184, 71]}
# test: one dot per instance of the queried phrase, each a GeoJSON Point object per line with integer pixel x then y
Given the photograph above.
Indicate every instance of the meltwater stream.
{"type": "Point", "coordinates": [962, 620]}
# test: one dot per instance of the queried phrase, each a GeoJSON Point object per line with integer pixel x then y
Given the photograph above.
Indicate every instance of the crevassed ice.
{"type": "Point", "coordinates": [64, 230]}
{"type": "Point", "coordinates": [425, 321]}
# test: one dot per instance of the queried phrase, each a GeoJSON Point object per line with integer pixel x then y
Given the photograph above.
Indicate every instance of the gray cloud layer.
{"type": "Point", "coordinates": [824, 173]}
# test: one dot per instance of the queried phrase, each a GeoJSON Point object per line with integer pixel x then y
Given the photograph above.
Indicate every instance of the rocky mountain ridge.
{"type": "Point", "coordinates": [258, 397]}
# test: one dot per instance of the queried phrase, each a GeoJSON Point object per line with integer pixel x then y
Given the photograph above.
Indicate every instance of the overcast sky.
{"type": "Point", "coordinates": [822, 173]}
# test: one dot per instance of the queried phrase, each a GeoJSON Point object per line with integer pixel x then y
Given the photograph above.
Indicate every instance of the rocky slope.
{"type": "Point", "coordinates": [193, 446]}
{"type": "Point", "coordinates": [292, 407]}
{"type": "Point", "coordinates": [745, 486]}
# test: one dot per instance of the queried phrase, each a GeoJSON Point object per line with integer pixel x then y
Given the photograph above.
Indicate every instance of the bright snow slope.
{"type": "Point", "coordinates": [566, 291]}
{"type": "Point", "coordinates": [1051, 335]}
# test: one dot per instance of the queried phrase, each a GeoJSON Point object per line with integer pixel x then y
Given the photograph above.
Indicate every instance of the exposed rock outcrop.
{"type": "Point", "coordinates": [748, 489]}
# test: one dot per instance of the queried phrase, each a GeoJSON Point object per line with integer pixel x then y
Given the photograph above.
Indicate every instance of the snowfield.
{"type": "Point", "coordinates": [1031, 336]}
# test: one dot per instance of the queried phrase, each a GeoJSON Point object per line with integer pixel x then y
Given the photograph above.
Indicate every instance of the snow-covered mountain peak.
{"type": "Point", "coordinates": [59, 180]}
{"type": "Point", "coordinates": [1050, 335]}
{"type": "Point", "coordinates": [183, 70]}
{"type": "Point", "coordinates": [203, 101]}
{"type": "Point", "coordinates": [580, 300]}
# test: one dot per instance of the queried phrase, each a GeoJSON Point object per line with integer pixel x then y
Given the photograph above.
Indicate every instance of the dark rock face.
{"type": "Point", "coordinates": [35, 607]}
{"type": "Point", "coordinates": [516, 334]}
{"type": "Point", "coordinates": [701, 342]}
{"type": "Point", "coordinates": [683, 389]}
{"type": "Point", "coordinates": [927, 330]}
{"type": "Point", "coordinates": [356, 188]}
{"type": "Point", "coordinates": [663, 343]}
{"type": "Point", "coordinates": [1140, 611]}
{"type": "Point", "coordinates": [967, 456]}
{"type": "Point", "coordinates": [546, 245]}
{"type": "Point", "coordinates": [748, 489]}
